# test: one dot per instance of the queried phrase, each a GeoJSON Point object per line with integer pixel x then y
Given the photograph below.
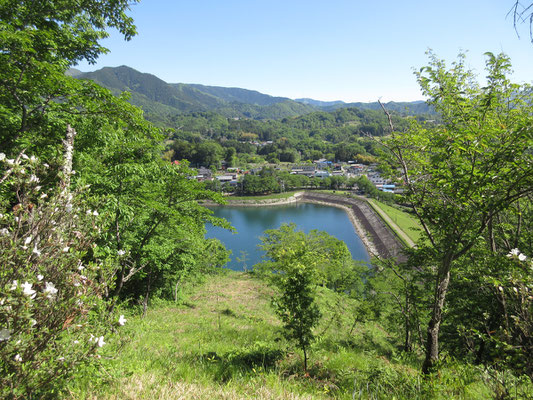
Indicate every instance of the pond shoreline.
{"type": "Point", "coordinates": [377, 238]}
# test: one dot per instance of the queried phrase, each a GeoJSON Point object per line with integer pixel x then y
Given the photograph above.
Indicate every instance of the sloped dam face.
{"type": "Point", "coordinates": [251, 222]}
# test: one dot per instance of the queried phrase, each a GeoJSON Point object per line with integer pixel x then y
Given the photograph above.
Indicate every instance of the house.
{"type": "Point", "coordinates": [322, 163]}
{"type": "Point", "coordinates": [307, 170]}
{"type": "Point", "coordinates": [227, 178]}
{"type": "Point", "coordinates": [204, 174]}
{"type": "Point", "coordinates": [321, 174]}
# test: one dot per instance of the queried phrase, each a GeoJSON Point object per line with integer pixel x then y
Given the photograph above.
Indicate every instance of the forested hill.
{"type": "Point", "coordinates": [403, 107]}
{"type": "Point", "coordinates": [161, 100]}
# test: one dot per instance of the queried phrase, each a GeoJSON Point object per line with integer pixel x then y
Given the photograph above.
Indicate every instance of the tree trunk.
{"type": "Point", "coordinates": [407, 345]}
{"type": "Point", "coordinates": [176, 291]}
{"type": "Point", "coordinates": [145, 301]}
{"type": "Point", "coordinates": [305, 358]}
{"type": "Point", "coordinates": [432, 344]}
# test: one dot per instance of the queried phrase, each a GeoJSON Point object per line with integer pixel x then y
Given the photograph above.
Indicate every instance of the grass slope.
{"type": "Point", "coordinates": [224, 342]}
{"type": "Point", "coordinates": [403, 221]}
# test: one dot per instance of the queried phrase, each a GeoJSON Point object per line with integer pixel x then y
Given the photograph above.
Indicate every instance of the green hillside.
{"type": "Point", "coordinates": [223, 341]}
{"type": "Point", "coordinates": [160, 99]}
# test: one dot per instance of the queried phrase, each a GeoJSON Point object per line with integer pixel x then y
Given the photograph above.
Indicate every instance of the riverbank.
{"type": "Point", "coordinates": [375, 234]}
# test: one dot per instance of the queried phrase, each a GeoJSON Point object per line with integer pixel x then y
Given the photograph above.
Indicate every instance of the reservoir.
{"type": "Point", "coordinates": [251, 222]}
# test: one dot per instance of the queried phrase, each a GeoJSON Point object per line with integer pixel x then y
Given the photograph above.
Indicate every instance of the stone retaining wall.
{"type": "Point", "coordinates": [385, 242]}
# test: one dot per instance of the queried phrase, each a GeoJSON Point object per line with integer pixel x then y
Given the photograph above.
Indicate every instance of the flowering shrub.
{"type": "Point", "coordinates": [52, 308]}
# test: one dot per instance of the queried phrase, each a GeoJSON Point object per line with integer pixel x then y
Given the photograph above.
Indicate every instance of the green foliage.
{"type": "Point", "coordinates": [297, 264]}
{"type": "Point", "coordinates": [296, 275]}
{"type": "Point", "coordinates": [465, 172]}
{"type": "Point", "coordinates": [40, 41]}
{"type": "Point", "coordinates": [53, 314]}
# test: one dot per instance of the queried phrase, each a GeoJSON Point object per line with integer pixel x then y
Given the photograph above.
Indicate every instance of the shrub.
{"type": "Point", "coordinates": [52, 299]}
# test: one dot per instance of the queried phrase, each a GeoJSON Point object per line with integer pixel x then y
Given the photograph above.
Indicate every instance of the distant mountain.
{"type": "Point", "coordinates": [160, 99]}
{"type": "Point", "coordinates": [405, 108]}
{"type": "Point", "coordinates": [73, 72]}
{"type": "Point", "coordinates": [241, 95]}
{"type": "Point", "coordinates": [321, 104]}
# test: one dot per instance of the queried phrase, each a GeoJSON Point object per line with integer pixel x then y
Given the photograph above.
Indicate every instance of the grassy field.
{"type": "Point", "coordinates": [224, 342]}
{"type": "Point", "coordinates": [406, 222]}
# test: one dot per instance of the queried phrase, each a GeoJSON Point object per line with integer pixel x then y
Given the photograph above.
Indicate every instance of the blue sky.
{"type": "Point", "coordinates": [351, 50]}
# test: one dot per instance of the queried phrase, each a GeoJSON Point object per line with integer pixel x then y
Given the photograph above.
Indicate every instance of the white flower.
{"type": "Point", "coordinates": [46, 165]}
{"type": "Point", "coordinates": [24, 156]}
{"type": "Point", "coordinates": [95, 213]}
{"type": "Point", "coordinates": [36, 251]}
{"type": "Point", "coordinates": [33, 158]}
{"type": "Point", "coordinates": [4, 232]}
{"type": "Point", "coordinates": [81, 267]}
{"type": "Point", "coordinates": [40, 277]}
{"type": "Point", "coordinates": [10, 161]}
{"type": "Point", "coordinates": [37, 188]}
{"type": "Point", "coordinates": [44, 196]}
{"type": "Point", "coordinates": [2, 156]}
{"type": "Point", "coordinates": [89, 212]}
{"type": "Point", "coordinates": [27, 290]}
{"type": "Point", "coordinates": [66, 249]}
{"type": "Point", "coordinates": [28, 240]}
{"type": "Point", "coordinates": [68, 207]}
{"type": "Point", "coordinates": [33, 178]}
{"type": "Point", "coordinates": [513, 252]}
{"type": "Point", "coordinates": [122, 320]}
{"type": "Point", "coordinates": [76, 341]}
{"type": "Point", "coordinates": [14, 285]}
{"type": "Point", "coordinates": [98, 340]}
{"type": "Point", "coordinates": [33, 322]}
{"type": "Point", "coordinates": [5, 334]}
{"type": "Point", "coordinates": [121, 252]}
{"type": "Point", "coordinates": [50, 289]}
{"type": "Point", "coordinates": [18, 358]}
{"type": "Point", "coordinates": [522, 257]}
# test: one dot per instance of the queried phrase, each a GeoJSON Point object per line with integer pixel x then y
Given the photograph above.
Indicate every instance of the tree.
{"type": "Point", "coordinates": [293, 270]}
{"type": "Point", "coordinates": [462, 173]}
{"type": "Point", "coordinates": [522, 14]}
{"type": "Point", "coordinates": [40, 41]}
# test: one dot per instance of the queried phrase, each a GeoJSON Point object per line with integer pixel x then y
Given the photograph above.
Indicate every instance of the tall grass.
{"type": "Point", "coordinates": [224, 342]}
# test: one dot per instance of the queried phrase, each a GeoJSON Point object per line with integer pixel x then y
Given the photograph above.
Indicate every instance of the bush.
{"type": "Point", "coordinates": [52, 299]}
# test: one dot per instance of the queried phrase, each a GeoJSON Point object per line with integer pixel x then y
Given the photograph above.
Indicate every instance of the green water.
{"type": "Point", "coordinates": [251, 222]}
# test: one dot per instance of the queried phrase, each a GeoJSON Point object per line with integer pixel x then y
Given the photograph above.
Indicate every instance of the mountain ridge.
{"type": "Point", "coordinates": [159, 99]}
